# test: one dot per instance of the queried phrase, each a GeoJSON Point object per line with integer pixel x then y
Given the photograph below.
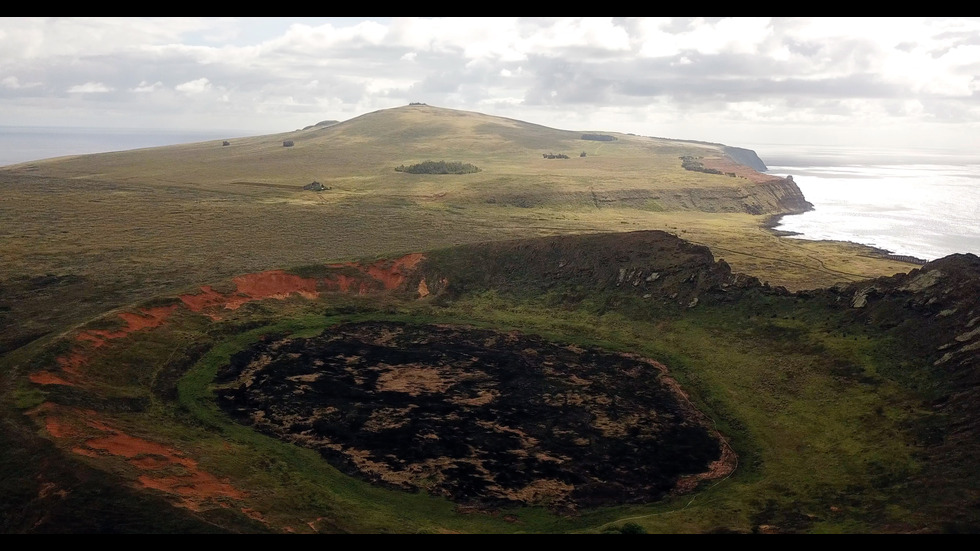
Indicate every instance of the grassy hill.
{"type": "Point", "coordinates": [133, 280]}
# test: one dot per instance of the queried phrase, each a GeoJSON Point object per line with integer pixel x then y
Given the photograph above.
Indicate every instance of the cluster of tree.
{"type": "Point", "coordinates": [416, 103]}
{"type": "Point", "coordinates": [315, 186]}
{"type": "Point", "coordinates": [438, 167]}
{"type": "Point", "coordinates": [690, 162]}
{"type": "Point", "coordinates": [554, 156]}
{"type": "Point", "coordinates": [628, 528]}
{"type": "Point", "coordinates": [598, 137]}
{"type": "Point", "coordinates": [287, 143]}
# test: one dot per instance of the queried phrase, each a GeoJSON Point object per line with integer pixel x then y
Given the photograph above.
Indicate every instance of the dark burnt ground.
{"type": "Point", "coordinates": [481, 417]}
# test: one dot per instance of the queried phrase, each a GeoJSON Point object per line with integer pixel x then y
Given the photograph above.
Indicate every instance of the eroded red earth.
{"type": "Point", "coordinates": [151, 464]}
{"type": "Point", "coordinates": [155, 465]}
{"type": "Point", "coordinates": [71, 364]}
{"type": "Point", "coordinates": [383, 275]}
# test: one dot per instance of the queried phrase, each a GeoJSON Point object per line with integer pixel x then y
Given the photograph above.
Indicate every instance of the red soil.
{"type": "Point", "coordinates": [394, 275]}
{"type": "Point", "coordinates": [56, 428]}
{"type": "Point", "coordinates": [160, 467]}
{"type": "Point", "coordinates": [127, 446]}
{"type": "Point", "coordinates": [72, 363]}
{"type": "Point", "coordinates": [253, 514]}
{"type": "Point", "coordinates": [47, 378]}
{"type": "Point", "coordinates": [147, 319]}
{"type": "Point", "coordinates": [280, 285]}
{"type": "Point", "coordinates": [85, 451]}
{"type": "Point", "coordinates": [391, 273]}
{"type": "Point", "coordinates": [275, 284]}
{"type": "Point", "coordinates": [207, 298]}
{"type": "Point", "coordinates": [271, 284]}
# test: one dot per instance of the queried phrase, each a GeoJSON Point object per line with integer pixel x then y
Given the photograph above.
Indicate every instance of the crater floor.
{"type": "Point", "coordinates": [484, 418]}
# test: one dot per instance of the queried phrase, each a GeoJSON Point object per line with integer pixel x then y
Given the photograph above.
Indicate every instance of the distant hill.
{"type": "Point", "coordinates": [618, 169]}
{"type": "Point", "coordinates": [321, 124]}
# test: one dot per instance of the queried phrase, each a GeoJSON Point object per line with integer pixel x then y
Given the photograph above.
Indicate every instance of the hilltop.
{"type": "Point", "coordinates": [359, 155]}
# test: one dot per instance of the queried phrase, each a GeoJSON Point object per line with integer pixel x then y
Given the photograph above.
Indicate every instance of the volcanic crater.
{"type": "Point", "coordinates": [481, 417]}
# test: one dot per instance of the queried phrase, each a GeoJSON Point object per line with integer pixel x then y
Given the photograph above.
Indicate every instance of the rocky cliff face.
{"type": "Point", "coordinates": [769, 196]}
{"type": "Point", "coordinates": [746, 157]}
{"type": "Point", "coordinates": [773, 196]}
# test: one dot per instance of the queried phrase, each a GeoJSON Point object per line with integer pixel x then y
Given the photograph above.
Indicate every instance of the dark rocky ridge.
{"type": "Point", "coordinates": [935, 311]}
{"type": "Point", "coordinates": [654, 264]}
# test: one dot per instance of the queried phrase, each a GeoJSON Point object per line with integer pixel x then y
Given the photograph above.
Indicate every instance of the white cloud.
{"type": "Point", "coordinates": [194, 86]}
{"type": "Point", "coordinates": [147, 87]}
{"type": "Point", "coordinates": [290, 72]}
{"type": "Point", "coordinates": [90, 88]}
{"type": "Point", "coordinates": [733, 35]}
{"type": "Point", "coordinates": [14, 83]}
{"type": "Point", "coordinates": [41, 37]}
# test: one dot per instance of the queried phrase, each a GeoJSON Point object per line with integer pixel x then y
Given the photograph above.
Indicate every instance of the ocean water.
{"type": "Point", "coordinates": [20, 144]}
{"type": "Point", "coordinates": [920, 203]}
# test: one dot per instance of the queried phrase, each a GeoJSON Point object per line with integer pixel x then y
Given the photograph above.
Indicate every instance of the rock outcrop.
{"type": "Point", "coordinates": [770, 196]}
{"type": "Point", "coordinates": [746, 157]}
{"type": "Point", "coordinates": [655, 265]}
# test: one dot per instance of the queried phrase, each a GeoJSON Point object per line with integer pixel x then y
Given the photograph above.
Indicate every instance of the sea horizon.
{"type": "Point", "coordinates": [22, 144]}
{"type": "Point", "coordinates": [920, 203]}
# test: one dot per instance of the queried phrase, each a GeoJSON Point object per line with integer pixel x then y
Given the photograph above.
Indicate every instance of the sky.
{"type": "Point", "coordinates": [867, 82]}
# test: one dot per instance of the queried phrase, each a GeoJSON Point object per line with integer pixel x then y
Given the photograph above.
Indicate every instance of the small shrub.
{"type": "Point", "coordinates": [632, 528]}
{"type": "Point", "coordinates": [438, 167]}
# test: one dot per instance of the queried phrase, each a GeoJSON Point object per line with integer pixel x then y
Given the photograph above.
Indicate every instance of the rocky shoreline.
{"type": "Point", "coordinates": [772, 221]}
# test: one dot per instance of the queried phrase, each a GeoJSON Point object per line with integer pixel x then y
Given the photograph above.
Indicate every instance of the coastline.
{"type": "Point", "coordinates": [771, 221]}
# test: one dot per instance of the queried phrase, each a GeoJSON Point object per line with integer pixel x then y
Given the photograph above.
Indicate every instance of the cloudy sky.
{"type": "Point", "coordinates": [889, 82]}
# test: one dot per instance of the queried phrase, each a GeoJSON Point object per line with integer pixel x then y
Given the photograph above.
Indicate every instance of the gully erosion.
{"type": "Point", "coordinates": [481, 417]}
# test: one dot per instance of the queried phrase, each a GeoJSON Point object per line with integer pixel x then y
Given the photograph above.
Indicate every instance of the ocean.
{"type": "Point", "coordinates": [20, 144]}
{"type": "Point", "coordinates": [923, 203]}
